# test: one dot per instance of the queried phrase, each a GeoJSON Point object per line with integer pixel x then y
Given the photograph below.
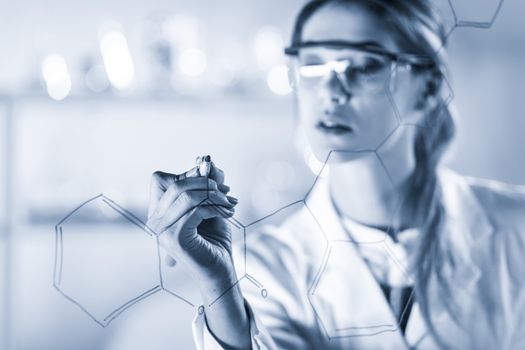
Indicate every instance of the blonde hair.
{"type": "Point", "coordinates": [421, 28]}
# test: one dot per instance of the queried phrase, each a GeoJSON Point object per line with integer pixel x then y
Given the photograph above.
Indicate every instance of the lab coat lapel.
{"type": "Point", "coordinates": [466, 227]}
{"type": "Point", "coordinates": [347, 298]}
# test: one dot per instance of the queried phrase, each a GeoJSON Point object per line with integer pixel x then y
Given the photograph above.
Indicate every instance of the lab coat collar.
{"type": "Point", "coordinates": [343, 260]}
{"type": "Point", "coordinates": [319, 203]}
{"type": "Point", "coordinates": [466, 222]}
{"type": "Point", "coordinates": [466, 226]}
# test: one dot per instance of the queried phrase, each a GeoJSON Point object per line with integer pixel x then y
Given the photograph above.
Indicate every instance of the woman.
{"type": "Point", "coordinates": [389, 250]}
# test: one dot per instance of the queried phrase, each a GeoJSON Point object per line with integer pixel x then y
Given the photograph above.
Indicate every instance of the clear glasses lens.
{"type": "Point", "coordinates": [360, 73]}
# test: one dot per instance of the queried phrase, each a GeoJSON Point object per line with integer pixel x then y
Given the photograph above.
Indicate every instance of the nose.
{"type": "Point", "coordinates": [333, 92]}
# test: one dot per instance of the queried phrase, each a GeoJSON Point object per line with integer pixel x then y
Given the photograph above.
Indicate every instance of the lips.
{"type": "Point", "coordinates": [333, 127]}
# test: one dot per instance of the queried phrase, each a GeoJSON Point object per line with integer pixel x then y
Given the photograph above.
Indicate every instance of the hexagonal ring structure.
{"type": "Point", "coordinates": [92, 265]}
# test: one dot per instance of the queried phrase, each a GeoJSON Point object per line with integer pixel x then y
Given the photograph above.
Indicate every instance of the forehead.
{"type": "Point", "coordinates": [350, 22]}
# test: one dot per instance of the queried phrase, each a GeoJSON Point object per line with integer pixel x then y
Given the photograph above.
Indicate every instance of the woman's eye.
{"type": "Point", "coordinates": [370, 67]}
{"type": "Point", "coordinates": [310, 60]}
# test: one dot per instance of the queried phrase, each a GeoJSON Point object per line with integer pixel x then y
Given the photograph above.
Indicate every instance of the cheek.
{"type": "Point", "coordinates": [377, 117]}
{"type": "Point", "coordinates": [309, 105]}
{"type": "Point", "coordinates": [310, 96]}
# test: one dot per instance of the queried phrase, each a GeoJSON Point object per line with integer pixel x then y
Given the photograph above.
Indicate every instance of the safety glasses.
{"type": "Point", "coordinates": [363, 69]}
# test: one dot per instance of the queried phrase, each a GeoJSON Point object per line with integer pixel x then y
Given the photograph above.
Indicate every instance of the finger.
{"type": "Point", "coordinates": [193, 172]}
{"type": "Point", "coordinates": [185, 229]}
{"type": "Point", "coordinates": [160, 181]}
{"type": "Point", "coordinates": [223, 188]}
{"type": "Point", "coordinates": [219, 198]}
{"type": "Point", "coordinates": [216, 173]}
{"type": "Point", "coordinates": [160, 220]}
{"type": "Point", "coordinates": [222, 211]}
{"type": "Point", "coordinates": [187, 225]}
{"type": "Point", "coordinates": [232, 199]}
{"type": "Point", "coordinates": [185, 202]}
{"type": "Point", "coordinates": [189, 199]}
{"type": "Point", "coordinates": [218, 206]}
{"type": "Point", "coordinates": [177, 188]}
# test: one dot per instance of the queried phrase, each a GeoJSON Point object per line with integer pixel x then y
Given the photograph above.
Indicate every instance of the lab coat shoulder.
{"type": "Point", "coordinates": [504, 204]}
{"type": "Point", "coordinates": [493, 212]}
{"type": "Point", "coordinates": [484, 231]}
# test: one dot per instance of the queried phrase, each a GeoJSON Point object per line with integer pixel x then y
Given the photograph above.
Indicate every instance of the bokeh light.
{"type": "Point", "coordinates": [223, 72]}
{"type": "Point", "coordinates": [117, 59]}
{"type": "Point", "coordinates": [192, 62]}
{"type": "Point", "coordinates": [268, 47]}
{"type": "Point", "coordinates": [56, 76]}
{"type": "Point", "coordinates": [182, 30]}
{"type": "Point", "coordinates": [277, 80]}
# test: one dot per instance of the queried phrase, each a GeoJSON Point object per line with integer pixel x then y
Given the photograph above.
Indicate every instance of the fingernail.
{"type": "Point", "coordinates": [232, 199]}
{"type": "Point", "coordinates": [226, 212]}
{"type": "Point", "coordinates": [223, 188]}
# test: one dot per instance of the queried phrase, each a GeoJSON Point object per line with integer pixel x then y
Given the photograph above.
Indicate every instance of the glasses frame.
{"type": "Point", "coordinates": [421, 61]}
{"type": "Point", "coordinates": [396, 59]}
{"type": "Point", "coordinates": [339, 67]}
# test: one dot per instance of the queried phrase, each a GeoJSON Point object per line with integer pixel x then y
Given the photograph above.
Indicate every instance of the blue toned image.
{"type": "Point", "coordinates": [306, 174]}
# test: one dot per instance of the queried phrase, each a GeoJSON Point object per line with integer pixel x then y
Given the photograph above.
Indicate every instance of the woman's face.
{"type": "Point", "coordinates": [335, 116]}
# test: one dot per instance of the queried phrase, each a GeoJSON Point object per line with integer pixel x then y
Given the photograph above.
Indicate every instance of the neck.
{"type": "Point", "coordinates": [370, 189]}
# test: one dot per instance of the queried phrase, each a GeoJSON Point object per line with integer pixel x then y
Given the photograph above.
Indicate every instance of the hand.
{"type": "Point", "coordinates": [190, 218]}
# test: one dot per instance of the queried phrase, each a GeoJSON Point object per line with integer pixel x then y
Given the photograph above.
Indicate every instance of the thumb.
{"type": "Point", "coordinates": [216, 173]}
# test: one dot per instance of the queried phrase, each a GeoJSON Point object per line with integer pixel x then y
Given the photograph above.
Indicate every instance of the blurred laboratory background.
{"type": "Point", "coordinates": [96, 95]}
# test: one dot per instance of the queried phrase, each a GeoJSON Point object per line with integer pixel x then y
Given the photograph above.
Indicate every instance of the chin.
{"type": "Point", "coordinates": [333, 154]}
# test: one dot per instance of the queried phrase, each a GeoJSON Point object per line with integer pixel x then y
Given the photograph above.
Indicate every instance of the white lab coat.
{"type": "Point", "coordinates": [322, 295]}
